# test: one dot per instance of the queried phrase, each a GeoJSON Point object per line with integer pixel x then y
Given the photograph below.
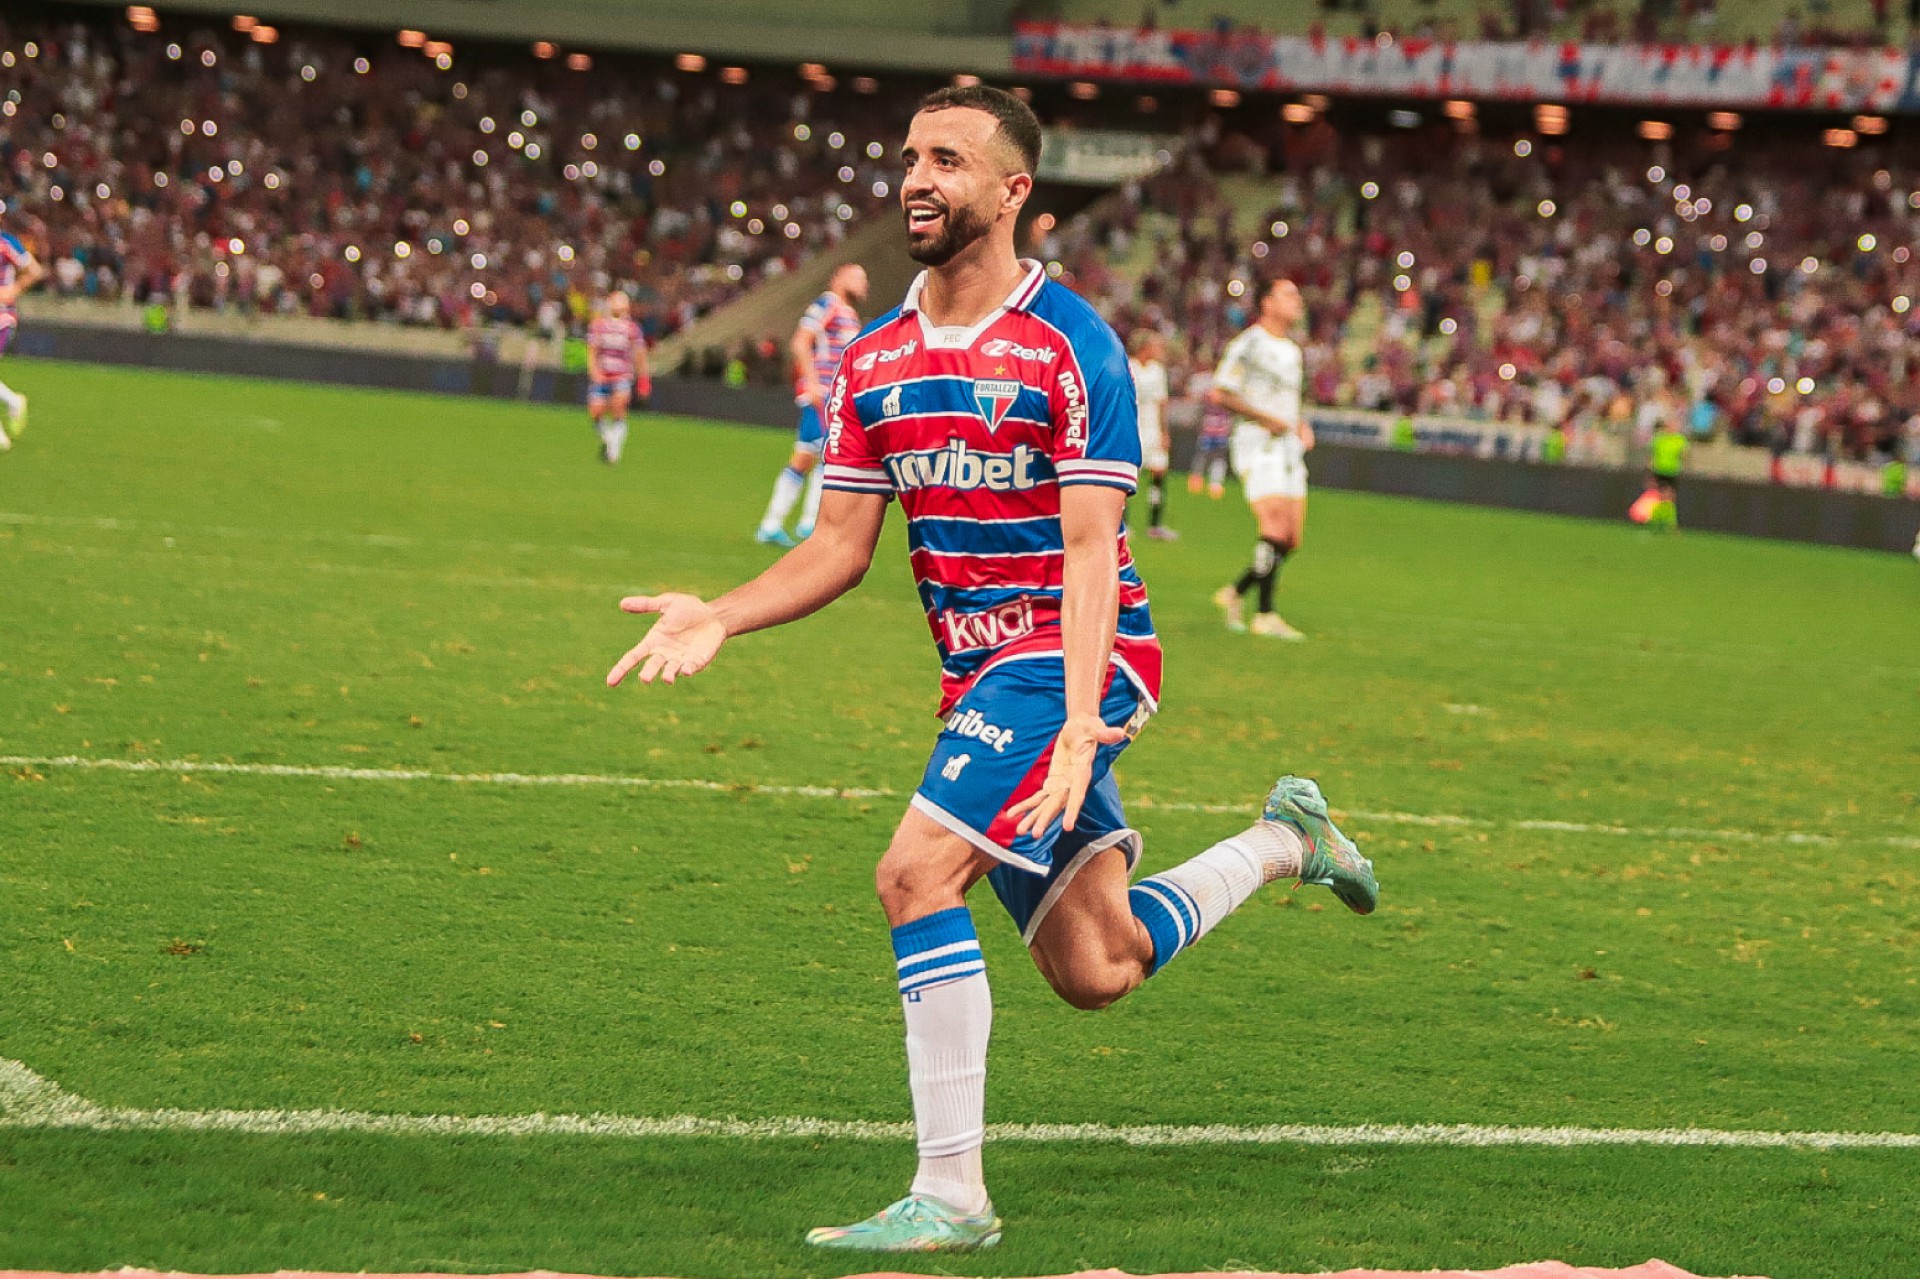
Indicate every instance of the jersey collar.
{"type": "Point", "coordinates": [953, 336]}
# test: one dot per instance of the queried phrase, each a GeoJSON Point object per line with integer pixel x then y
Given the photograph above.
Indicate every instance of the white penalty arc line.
{"type": "Point", "coordinates": [28, 1101]}
{"type": "Point", "coordinates": [344, 773]}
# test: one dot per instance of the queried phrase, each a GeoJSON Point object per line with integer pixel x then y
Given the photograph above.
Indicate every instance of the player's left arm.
{"type": "Point", "coordinates": [642, 368]}
{"type": "Point", "coordinates": [28, 271]}
{"type": "Point", "coordinates": [1089, 614]}
{"type": "Point", "coordinates": [1097, 457]}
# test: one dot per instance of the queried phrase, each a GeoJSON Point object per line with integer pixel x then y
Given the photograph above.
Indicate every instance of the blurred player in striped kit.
{"type": "Point", "coordinates": [617, 372]}
{"type": "Point", "coordinates": [19, 271]}
{"type": "Point", "coordinates": [1208, 469]}
{"type": "Point", "coordinates": [832, 321]}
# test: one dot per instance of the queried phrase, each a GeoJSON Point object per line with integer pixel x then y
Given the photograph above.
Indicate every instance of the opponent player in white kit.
{"type": "Point", "coordinates": [617, 373]}
{"type": "Point", "coordinates": [1259, 381]}
{"type": "Point", "coordinates": [996, 406]}
{"type": "Point", "coordinates": [1148, 364]}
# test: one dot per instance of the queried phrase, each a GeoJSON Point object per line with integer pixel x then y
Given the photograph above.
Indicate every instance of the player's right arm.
{"type": "Point", "coordinates": [805, 580]}
{"type": "Point", "coordinates": [1229, 387]}
{"type": "Point", "coordinates": [806, 376]}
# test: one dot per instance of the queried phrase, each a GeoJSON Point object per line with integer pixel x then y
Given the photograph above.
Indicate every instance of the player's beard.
{"type": "Point", "coordinates": [958, 228]}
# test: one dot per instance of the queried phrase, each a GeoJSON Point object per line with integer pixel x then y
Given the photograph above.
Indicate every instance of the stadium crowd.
{"type": "Point", "coordinates": [1762, 292]}
{"type": "Point", "coordinates": [361, 179]}
{"type": "Point", "coordinates": [1765, 293]}
{"type": "Point", "coordinates": [1783, 25]}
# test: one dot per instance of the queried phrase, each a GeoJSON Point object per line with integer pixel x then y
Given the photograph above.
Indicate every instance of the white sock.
{"type": "Point", "coordinates": [614, 435]}
{"type": "Point", "coordinates": [786, 491]}
{"type": "Point", "coordinates": [949, 1015]}
{"type": "Point", "coordinates": [1182, 905]}
{"type": "Point", "coordinates": [11, 398]}
{"type": "Point", "coordinates": [810, 509]}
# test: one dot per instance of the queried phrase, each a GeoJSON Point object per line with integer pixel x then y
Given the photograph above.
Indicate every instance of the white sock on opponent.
{"type": "Point", "coordinates": [1182, 905]}
{"type": "Point", "coordinates": [949, 1015]}
{"type": "Point", "coordinates": [12, 399]}
{"type": "Point", "coordinates": [786, 491]}
{"type": "Point", "coordinates": [810, 509]}
{"type": "Point", "coordinates": [614, 435]}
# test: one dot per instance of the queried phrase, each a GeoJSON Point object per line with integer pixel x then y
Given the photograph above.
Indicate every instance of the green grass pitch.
{"type": "Point", "coordinates": [268, 573]}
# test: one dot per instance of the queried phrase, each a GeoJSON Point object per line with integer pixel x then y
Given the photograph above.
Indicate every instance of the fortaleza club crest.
{"type": "Point", "coordinates": [994, 396]}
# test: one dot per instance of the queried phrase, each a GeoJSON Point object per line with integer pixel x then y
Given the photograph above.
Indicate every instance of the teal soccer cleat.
{"type": "Point", "coordinates": [918, 1223]}
{"type": "Point", "coordinates": [775, 537]}
{"type": "Point", "coordinates": [1331, 861]}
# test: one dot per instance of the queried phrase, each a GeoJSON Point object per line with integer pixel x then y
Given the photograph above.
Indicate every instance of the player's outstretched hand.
{"type": "Point", "coordinates": [1069, 773]}
{"type": "Point", "coordinates": [682, 642]}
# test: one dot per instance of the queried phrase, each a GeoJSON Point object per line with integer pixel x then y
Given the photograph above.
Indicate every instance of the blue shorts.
{"type": "Point", "coordinates": [994, 752]}
{"type": "Point", "coordinates": [607, 390]}
{"type": "Point", "coordinates": [809, 435]}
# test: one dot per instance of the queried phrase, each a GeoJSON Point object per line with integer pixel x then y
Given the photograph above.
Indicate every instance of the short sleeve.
{"type": "Point", "coordinates": [1096, 425]}
{"type": "Point", "coordinates": [1232, 373]}
{"type": "Point", "coordinates": [851, 461]}
{"type": "Point", "coordinates": [814, 318]}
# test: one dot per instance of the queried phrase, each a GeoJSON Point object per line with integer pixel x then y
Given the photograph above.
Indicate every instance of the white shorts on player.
{"type": "Point", "coordinates": [1269, 465]}
{"type": "Point", "coordinates": [1154, 452]}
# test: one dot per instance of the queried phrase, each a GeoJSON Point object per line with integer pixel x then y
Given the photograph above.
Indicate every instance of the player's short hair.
{"type": "Point", "coordinates": [1019, 126]}
{"type": "Point", "coordinates": [1268, 285]}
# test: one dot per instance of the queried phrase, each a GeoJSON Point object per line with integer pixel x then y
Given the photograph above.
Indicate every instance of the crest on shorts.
{"type": "Point", "coordinates": [993, 397]}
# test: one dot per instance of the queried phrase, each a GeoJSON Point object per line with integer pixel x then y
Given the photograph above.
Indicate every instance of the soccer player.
{"type": "Point", "coordinates": [1259, 381]}
{"type": "Point", "coordinates": [1147, 364]}
{"type": "Point", "coordinates": [617, 371]}
{"type": "Point", "coordinates": [827, 326]}
{"type": "Point", "coordinates": [995, 404]}
{"type": "Point", "coordinates": [19, 271]}
{"type": "Point", "coordinates": [1208, 470]}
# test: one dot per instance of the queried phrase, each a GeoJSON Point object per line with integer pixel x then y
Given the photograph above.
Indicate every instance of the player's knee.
{"type": "Point", "coordinates": [905, 888]}
{"type": "Point", "coordinates": [802, 461]}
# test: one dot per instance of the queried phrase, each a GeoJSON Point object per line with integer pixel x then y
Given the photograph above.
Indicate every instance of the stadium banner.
{"type": "Point", "coordinates": [1540, 70]}
{"type": "Point", "coordinates": [1103, 158]}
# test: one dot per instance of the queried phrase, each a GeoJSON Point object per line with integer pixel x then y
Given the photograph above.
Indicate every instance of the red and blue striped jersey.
{"type": "Point", "coordinates": [977, 431]}
{"type": "Point", "coordinates": [611, 342]}
{"type": "Point", "coordinates": [833, 323]}
{"type": "Point", "coordinates": [13, 256]}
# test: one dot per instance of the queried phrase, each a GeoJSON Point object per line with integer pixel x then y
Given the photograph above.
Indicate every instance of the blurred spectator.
{"type": "Point", "coordinates": [1754, 293]}
{"type": "Point", "coordinates": [359, 180]}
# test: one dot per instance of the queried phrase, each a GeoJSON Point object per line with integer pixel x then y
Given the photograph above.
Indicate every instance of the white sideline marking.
{"type": "Point", "coordinates": [328, 536]}
{"type": "Point", "coordinates": [29, 1101]}
{"type": "Point", "coordinates": [337, 772]}
{"type": "Point", "coordinates": [342, 773]}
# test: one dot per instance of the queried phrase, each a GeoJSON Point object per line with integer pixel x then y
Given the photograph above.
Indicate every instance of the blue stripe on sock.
{"type": "Point", "coordinates": [1190, 908]}
{"type": "Point", "coordinates": [942, 929]}
{"type": "Point", "coordinates": [1182, 904]}
{"type": "Point", "coordinates": [1163, 927]}
{"type": "Point", "coordinates": [914, 967]}
{"type": "Point", "coordinates": [941, 976]}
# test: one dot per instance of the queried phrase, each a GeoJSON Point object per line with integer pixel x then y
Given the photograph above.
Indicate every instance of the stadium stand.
{"type": "Point", "coordinates": [1598, 280]}
{"type": "Point", "coordinates": [1763, 293]}
{"type": "Point", "coordinates": [1826, 22]}
{"type": "Point", "coordinates": [307, 176]}
{"type": "Point", "coordinates": [913, 33]}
